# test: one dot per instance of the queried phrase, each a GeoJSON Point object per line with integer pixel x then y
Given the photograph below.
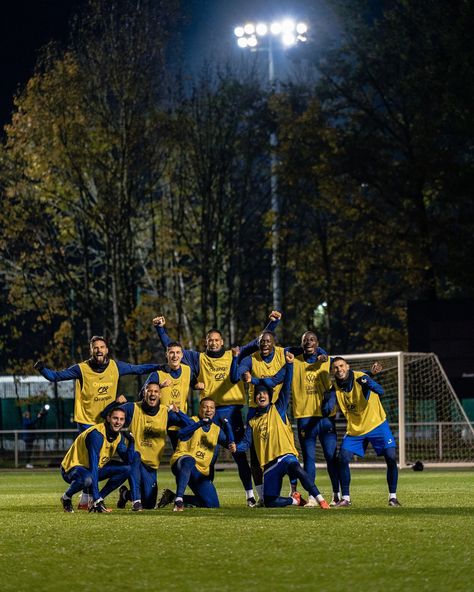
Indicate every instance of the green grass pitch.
{"type": "Point", "coordinates": [425, 545]}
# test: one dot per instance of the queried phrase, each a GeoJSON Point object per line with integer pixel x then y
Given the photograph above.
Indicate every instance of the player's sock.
{"type": "Point", "coordinates": [392, 496]}
{"type": "Point", "coordinates": [178, 499]}
{"type": "Point", "coordinates": [319, 498]}
{"type": "Point", "coordinates": [85, 498]}
{"type": "Point", "coordinates": [346, 497]}
{"type": "Point", "coordinates": [259, 489]}
{"type": "Point", "coordinates": [249, 493]}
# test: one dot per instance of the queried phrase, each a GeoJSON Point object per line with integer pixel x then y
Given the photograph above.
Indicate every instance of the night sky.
{"type": "Point", "coordinates": [207, 30]}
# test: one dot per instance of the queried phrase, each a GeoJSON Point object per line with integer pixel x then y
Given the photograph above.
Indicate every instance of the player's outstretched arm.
{"type": "Point", "coordinates": [190, 357]}
{"type": "Point", "coordinates": [285, 393]}
{"type": "Point", "coordinates": [252, 346]}
{"type": "Point", "coordinates": [124, 368]}
{"type": "Point", "coordinates": [159, 323]}
{"type": "Point", "coordinates": [226, 435]}
{"type": "Point", "coordinates": [71, 373]}
{"type": "Point", "coordinates": [188, 430]}
{"type": "Point", "coordinates": [176, 417]}
{"type": "Point", "coordinates": [369, 385]}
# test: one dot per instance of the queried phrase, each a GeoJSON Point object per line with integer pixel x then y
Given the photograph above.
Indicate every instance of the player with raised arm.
{"type": "Point", "coordinates": [310, 378]}
{"type": "Point", "coordinates": [358, 397]}
{"type": "Point", "coordinates": [175, 381]}
{"type": "Point", "coordinates": [272, 435]}
{"type": "Point", "coordinates": [213, 369]}
{"type": "Point", "coordinates": [88, 461]}
{"type": "Point", "coordinates": [96, 386]}
{"type": "Point", "coordinates": [96, 381]}
{"type": "Point", "coordinates": [193, 460]}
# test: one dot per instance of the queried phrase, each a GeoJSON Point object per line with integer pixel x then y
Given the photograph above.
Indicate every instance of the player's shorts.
{"type": "Point", "coordinates": [380, 437]}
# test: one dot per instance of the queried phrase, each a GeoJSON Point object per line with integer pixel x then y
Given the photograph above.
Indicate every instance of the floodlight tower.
{"type": "Point", "coordinates": [262, 36]}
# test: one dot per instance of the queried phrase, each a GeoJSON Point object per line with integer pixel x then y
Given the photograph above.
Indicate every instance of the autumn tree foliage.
{"type": "Point", "coordinates": [128, 190]}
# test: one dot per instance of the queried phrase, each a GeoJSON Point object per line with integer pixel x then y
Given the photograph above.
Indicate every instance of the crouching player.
{"type": "Point", "coordinates": [358, 397]}
{"type": "Point", "coordinates": [148, 421]}
{"type": "Point", "coordinates": [193, 461]}
{"type": "Point", "coordinates": [271, 432]}
{"type": "Point", "coordinates": [88, 461]}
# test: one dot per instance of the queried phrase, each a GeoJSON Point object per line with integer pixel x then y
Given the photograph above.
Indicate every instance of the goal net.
{"type": "Point", "coordinates": [423, 410]}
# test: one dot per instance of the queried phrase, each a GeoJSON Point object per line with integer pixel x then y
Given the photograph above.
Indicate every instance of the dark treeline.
{"type": "Point", "coordinates": [126, 193]}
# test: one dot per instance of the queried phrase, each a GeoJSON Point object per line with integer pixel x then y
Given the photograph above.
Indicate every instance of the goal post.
{"type": "Point", "coordinates": [422, 408]}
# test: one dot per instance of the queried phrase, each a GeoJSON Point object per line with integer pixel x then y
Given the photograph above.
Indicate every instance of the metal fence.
{"type": "Point", "coordinates": [430, 442]}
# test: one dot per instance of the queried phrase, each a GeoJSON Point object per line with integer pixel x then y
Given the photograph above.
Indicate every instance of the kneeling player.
{"type": "Point", "coordinates": [148, 421]}
{"type": "Point", "coordinates": [193, 461]}
{"type": "Point", "coordinates": [358, 398]}
{"type": "Point", "coordinates": [88, 461]}
{"type": "Point", "coordinates": [271, 432]}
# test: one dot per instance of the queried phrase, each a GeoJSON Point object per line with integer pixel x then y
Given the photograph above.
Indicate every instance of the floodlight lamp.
{"type": "Point", "coordinates": [288, 39]}
{"type": "Point", "coordinates": [252, 41]}
{"type": "Point", "coordinates": [301, 28]}
{"type": "Point", "coordinates": [239, 31]}
{"type": "Point", "coordinates": [261, 29]}
{"type": "Point", "coordinates": [249, 29]}
{"type": "Point", "coordinates": [242, 42]}
{"type": "Point", "coordinates": [288, 26]}
{"type": "Point", "coordinates": [47, 407]}
{"type": "Point", "coordinates": [275, 28]}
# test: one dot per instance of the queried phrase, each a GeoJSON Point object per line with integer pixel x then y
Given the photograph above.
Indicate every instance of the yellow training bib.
{"type": "Point", "coordinates": [272, 437]}
{"type": "Point", "coordinates": [200, 446]}
{"type": "Point", "coordinates": [362, 416]}
{"type": "Point", "coordinates": [98, 390]}
{"type": "Point", "coordinates": [262, 369]}
{"type": "Point", "coordinates": [215, 374]}
{"type": "Point", "coordinates": [78, 455]}
{"type": "Point", "coordinates": [149, 432]}
{"type": "Point", "coordinates": [310, 381]}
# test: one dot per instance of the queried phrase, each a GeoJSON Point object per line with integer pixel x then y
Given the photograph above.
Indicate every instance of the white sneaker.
{"type": "Point", "coordinates": [312, 503]}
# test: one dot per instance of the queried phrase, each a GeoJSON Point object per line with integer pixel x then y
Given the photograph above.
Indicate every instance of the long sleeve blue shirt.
{"type": "Point", "coordinates": [272, 381]}
{"type": "Point", "coordinates": [191, 357]}
{"type": "Point", "coordinates": [281, 405]}
{"type": "Point", "coordinates": [74, 372]}
{"type": "Point", "coordinates": [94, 441]}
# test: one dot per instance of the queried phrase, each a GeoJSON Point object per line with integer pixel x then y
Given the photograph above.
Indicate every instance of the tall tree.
{"type": "Point", "coordinates": [85, 155]}
{"type": "Point", "coordinates": [399, 88]}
